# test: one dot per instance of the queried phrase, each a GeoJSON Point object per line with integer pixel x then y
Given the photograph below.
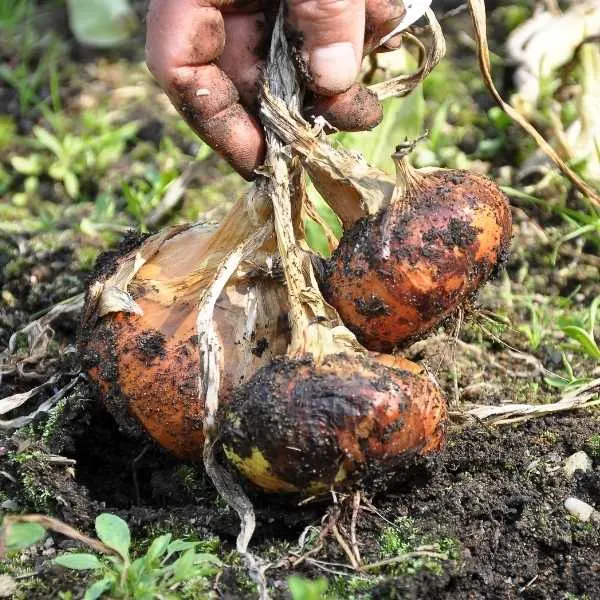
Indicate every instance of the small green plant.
{"type": "Point", "coordinates": [581, 333]}
{"type": "Point", "coordinates": [583, 225]}
{"type": "Point", "coordinates": [167, 567]}
{"type": "Point", "coordinates": [39, 54]}
{"type": "Point", "coordinates": [535, 329]}
{"type": "Point", "coordinates": [17, 536]}
{"type": "Point", "coordinates": [567, 382]}
{"type": "Point", "coordinates": [66, 157]}
{"type": "Point", "coordinates": [593, 445]}
{"type": "Point", "coordinates": [307, 589]}
{"type": "Point", "coordinates": [142, 194]}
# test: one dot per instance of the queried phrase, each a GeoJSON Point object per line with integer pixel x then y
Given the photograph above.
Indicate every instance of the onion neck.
{"type": "Point", "coordinates": [408, 179]}
{"type": "Point", "coordinates": [408, 182]}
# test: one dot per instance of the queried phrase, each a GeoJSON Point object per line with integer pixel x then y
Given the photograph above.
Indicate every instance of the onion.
{"type": "Point", "coordinates": [306, 426]}
{"type": "Point", "coordinates": [398, 273]}
{"type": "Point", "coordinates": [146, 364]}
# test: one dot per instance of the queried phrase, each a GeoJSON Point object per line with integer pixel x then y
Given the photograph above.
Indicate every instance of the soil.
{"type": "Point", "coordinates": [498, 492]}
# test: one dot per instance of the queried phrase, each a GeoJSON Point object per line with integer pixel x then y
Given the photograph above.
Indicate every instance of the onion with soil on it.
{"type": "Point", "coordinates": [414, 251]}
{"type": "Point", "coordinates": [143, 354]}
{"type": "Point", "coordinates": [306, 426]}
{"type": "Point", "coordinates": [328, 415]}
{"type": "Point", "coordinates": [398, 273]}
{"type": "Point", "coordinates": [146, 362]}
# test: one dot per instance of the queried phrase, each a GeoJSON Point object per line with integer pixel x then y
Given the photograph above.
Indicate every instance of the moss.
{"type": "Point", "coordinates": [593, 446]}
{"type": "Point", "coordinates": [350, 588]}
{"type": "Point", "coordinates": [69, 413]}
{"type": "Point", "coordinates": [32, 493]}
{"type": "Point", "coordinates": [404, 538]}
{"type": "Point", "coordinates": [52, 425]}
{"type": "Point", "coordinates": [35, 495]}
{"type": "Point", "coordinates": [193, 479]}
{"type": "Point", "coordinates": [398, 539]}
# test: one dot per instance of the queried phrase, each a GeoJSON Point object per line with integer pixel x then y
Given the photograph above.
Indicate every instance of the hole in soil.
{"type": "Point", "coordinates": [109, 462]}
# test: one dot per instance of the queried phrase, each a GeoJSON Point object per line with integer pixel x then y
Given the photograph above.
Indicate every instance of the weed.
{"type": "Point", "coordinates": [534, 330]}
{"type": "Point", "coordinates": [305, 589]}
{"type": "Point", "coordinates": [350, 587]}
{"type": "Point", "coordinates": [39, 54]}
{"type": "Point", "coordinates": [580, 330]}
{"type": "Point", "coordinates": [169, 568]}
{"type": "Point", "coordinates": [66, 157]}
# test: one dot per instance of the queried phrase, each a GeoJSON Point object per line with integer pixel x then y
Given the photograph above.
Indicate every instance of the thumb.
{"type": "Point", "coordinates": [330, 36]}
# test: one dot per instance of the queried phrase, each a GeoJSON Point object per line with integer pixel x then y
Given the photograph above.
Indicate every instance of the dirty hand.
{"type": "Point", "coordinates": [208, 55]}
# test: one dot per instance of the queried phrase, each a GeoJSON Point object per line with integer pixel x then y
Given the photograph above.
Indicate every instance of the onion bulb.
{"type": "Point", "coordinates": [398, 273]}
{"type": "Point", "coordinates": [146, 363]}
{"type": "Point", "coordinates": [301, 426]}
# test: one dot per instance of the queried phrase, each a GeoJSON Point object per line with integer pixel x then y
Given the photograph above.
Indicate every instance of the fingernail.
{"type": "Point", "coordinates": [334, 68]}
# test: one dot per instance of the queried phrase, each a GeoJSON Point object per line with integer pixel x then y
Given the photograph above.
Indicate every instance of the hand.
{"type": "Point", "coordinates": [208, 56]}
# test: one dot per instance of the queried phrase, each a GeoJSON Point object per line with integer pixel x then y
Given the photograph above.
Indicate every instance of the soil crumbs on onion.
{"type": "Point", "coordinates": [492, 503]}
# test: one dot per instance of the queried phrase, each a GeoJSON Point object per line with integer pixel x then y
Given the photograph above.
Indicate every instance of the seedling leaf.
{"type": "Point", "coordinates": [22, 535]}
{"type": "Point", "coordinates": [114, 532]}
{"type": "Point", "coordinates": [183, 567]}
{"type": "Point", "coordinates": [305, 589]}
{"type": "Point", "coordinates": [96, 590]}
{"type": "Point", "coordinates": [78, 561]}
{"type": "Point", "coordinates": [158, 547]}
{"type": "Point", "coordinates": [584, 339]}
{"type": "Point", "coordinates": [178, 546]}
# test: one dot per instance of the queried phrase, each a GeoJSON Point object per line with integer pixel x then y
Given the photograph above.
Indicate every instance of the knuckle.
{"type": "Point", "coordinates": [156, 66]}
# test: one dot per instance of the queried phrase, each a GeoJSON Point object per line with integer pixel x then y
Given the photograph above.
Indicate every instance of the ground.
{"type": "Point", "coordinates": [88, 145]}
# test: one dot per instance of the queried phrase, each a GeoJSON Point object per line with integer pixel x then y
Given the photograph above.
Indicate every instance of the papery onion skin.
{"type": "Point", "coordinates": [146, 367]}
{"type": "Point", "coordinates": [303, 428]}
{"type": "Point", "coordinates": [443, 243]}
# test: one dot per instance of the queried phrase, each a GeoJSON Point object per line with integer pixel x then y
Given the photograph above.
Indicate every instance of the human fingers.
{"type": "Point", "coordinates": [184, 38]}
{"type": "Point", "coordinates": [328, 36]}
{"type": "Point", "coordinates": [356, 109]}
{"type": "Point", "coordinates": [381, 18]}
{"type": "Point", "coordinates": [243, 58]}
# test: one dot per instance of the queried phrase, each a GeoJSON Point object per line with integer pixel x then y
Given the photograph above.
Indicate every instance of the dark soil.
{"type": "Point", "coordinates": [498, 492]}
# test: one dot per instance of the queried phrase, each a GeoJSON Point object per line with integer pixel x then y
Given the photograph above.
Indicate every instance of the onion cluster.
{"type": "Point", "coordinates": [299, 411]}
